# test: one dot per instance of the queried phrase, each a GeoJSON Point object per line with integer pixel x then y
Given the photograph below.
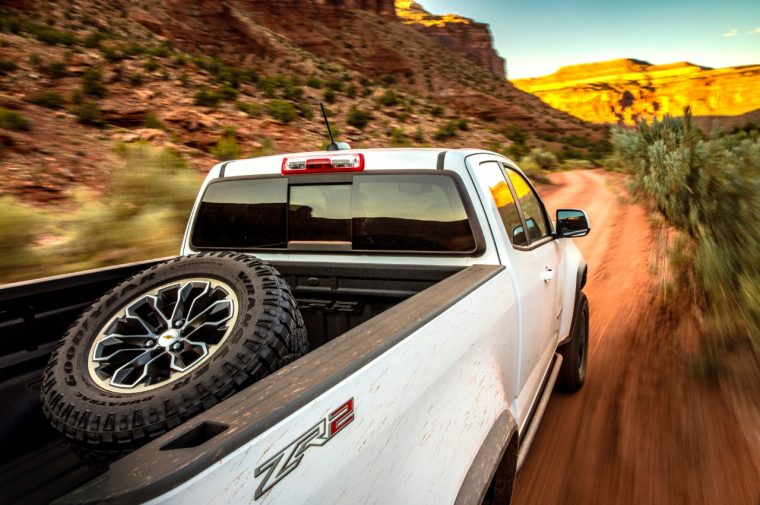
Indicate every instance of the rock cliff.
{"type": "Point", "coordinates": [457, 33]}
{"type": "Point", "coordinates": [238, 78]}
{"type": "Point", "coordinates": [623, 91]}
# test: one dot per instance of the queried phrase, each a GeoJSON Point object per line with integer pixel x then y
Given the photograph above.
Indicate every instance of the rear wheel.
{"type": "Point", "coordinates": [165, 345]}
{"type": "Point", "coordinates": [572, 373]}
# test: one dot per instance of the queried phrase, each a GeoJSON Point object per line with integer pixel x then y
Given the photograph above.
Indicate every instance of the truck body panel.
{"type": "Point", "coordinates": [417, 360]}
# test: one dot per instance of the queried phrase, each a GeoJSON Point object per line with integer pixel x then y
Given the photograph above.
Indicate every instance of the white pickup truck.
{"type": "Point", "coordinates": [423, 308]}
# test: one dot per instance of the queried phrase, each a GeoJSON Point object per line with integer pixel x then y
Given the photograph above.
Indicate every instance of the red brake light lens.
{"type": "Point", "coordinates": [323, 164]}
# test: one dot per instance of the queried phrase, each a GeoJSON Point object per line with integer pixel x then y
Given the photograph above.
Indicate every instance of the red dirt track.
{"type": "Point", "coordinates": [642, 430]}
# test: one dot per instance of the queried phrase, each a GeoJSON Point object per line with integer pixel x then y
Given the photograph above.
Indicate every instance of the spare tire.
{"type": "Point", "coordinates": [165, 345]}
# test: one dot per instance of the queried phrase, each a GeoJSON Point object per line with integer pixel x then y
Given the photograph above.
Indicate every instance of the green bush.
{"type": "Point", "coordinates": [268, 86]}
{"type": "Point", "coordinates": [517, 150]}
{"type": "Point", "coordinates": [7, 66]}
{"type": "Point", "coordinates": [142, 214]}
{"type": "Point", "coordinates": [271, 85]}
{"type": "Point", "coordinates": [227, 92]}
{"type": "Point", "coordinates": [206, 98]}
{"type": "Point", "coordinates": [136, 79]}
{"type": "Point", "coordinates": [151, 65]}
{"type": "Point", "coordinates": [534, 172]}
{"type": "Point", "coordinates": [93, 40]}
{"type": "Point", "coordinates": [314, 82]}
{"type": "Point", "coordinates": [10, 24]}
{"type": "Point", "coordinates": [544, 159]}
{"type": "Point", "coordinates": [436, 111]}
{"type": "Point", "coordinates": [419, 135]}
{"type": "Point", "coordinates": [357, 118]}
{"type": "Point", "coordinates": [226, 148]}
{"type": "Point", "coordinates": [88, 113]}
{"type": "Point", "coordinates": [389, 99]}
{"type": "Point", "coordinates": [329, 96]}
{"type": "Point", "coordinates": [292, 93]}
{"type": "Point", "coordinates": [52, 36]}
{"type": "Point", "coordinates": [77, 96]}
{"type": "Point", "coordinates": [282, 111]}
{"type": "Point", "coordinates": [516, 134]}
{"type": "Point", "coordinates": [577, 163]}
{"type": "Point", "coordinates": [389, 80]}
{"type": "Point", "coordinates": [112, 54]}
{"type": "Point", "coordinates": [55, 70]}
{"type": "Point", "coordinates": [151, 120]}
{"type": "Point", "coordinates": [600, 149]}
{"type": "Point", "coordinates": [133, 49]}
{"type": "Point", "coordinates": [234, 76]}
{"type": "Point", "coordinates": [92, 83]}
{"type": "Point", "coordinates": [446, 131]}
{"type": "Point", "coordinates": [335, 85]}
{"type": "Point", "coordinates": [48, 99]}
{"type": "Point", "coordinates": [399, 138]}
{"type": "Point", "coordinates": [569, 152]}
{"type": "Point", "coordinates": [305, 110]}
{"type": "Point", "coordinates": [576, 141]}
{"type": "Point", "coordinates": [546, 136]}
{"type": "Point", "coordinates": [20, 225]}
{"type": "Point", "coordinates": [709, 190]}
{"type": "Point", "coordinates": [251, 109]}
{"type": "Point", "coordinates": [13, 120]}
{"type": "Point", "coordinates": [160, 51]}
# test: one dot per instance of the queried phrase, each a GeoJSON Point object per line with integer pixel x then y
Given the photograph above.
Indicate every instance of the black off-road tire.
{"type": "Point", "coordinates": [572, 372]}
{"type": "Point", "coordinates": [266, 334]}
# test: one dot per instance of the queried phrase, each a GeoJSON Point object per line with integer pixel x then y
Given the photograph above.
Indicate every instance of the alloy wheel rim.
{"type": "Point", "coordinates": [162, 335]}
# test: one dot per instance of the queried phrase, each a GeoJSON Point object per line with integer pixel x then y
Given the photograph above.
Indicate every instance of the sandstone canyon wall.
{"type": "Point", "coordinates": [458, 33]}
{"type": "Point", "coordinates": [626, 90]}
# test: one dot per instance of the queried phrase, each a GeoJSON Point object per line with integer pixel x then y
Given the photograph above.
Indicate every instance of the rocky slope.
{"type": "Point", "coordinates": [622, 91]}
{"type": "Point", "coordinates": [237, 78]}
{"type": "Point", "coordinates": [457, 33]}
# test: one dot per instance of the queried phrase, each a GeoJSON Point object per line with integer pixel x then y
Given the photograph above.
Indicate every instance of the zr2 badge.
{"type": "Point", "coordinates": [281, 464]}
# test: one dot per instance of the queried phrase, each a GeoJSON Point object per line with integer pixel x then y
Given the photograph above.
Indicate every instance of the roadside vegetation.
{"type": "Point", "coordinates": [708, 189]}
{"type": "Point", "coordinates": [87, 90]}
{"type": "Point", "coordinates": [142, 215]}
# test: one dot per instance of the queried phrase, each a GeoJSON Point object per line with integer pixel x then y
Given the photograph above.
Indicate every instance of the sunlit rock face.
{"type": "Point", "coordinates": [382, 7]}
{"type": "Point", "coordinates": [455, 32]}
{"type": "Point", "coordinates": [626, 90]}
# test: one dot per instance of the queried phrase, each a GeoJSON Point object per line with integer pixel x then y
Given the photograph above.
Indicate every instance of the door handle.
{"type": "Point", "coordinates": [547, 274]}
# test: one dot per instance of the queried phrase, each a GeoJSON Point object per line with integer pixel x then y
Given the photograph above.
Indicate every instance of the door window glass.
{"type": "Point", "coordinates": [533, 211]}
{"type": "Point", "coordinates": [493, 183]}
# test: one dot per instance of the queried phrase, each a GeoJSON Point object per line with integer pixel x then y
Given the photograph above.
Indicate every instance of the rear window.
{"type": "Point", "coordinates": [415, 213]}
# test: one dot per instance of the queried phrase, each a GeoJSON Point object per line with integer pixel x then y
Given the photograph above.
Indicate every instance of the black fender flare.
{"type": "Point", "coordinates": [497, 457]}
{"type": "Point", "coordinates": [580, 283]}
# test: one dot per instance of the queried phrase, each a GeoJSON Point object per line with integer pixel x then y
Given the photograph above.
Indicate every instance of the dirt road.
{"type": "Point", "coordinates": [643, 429]}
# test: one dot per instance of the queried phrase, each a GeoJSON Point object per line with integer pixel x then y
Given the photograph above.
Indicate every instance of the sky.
{"type": "Point", "coordinates": [539, 36]}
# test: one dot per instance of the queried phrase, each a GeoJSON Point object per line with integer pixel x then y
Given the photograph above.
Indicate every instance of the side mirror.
{"type": "Point", "coordinates": [572, 223]}
{"type": "Point", "coordinates": [518, 235]}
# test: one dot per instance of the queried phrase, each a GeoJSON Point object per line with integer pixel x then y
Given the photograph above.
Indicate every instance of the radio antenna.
{"type": "Point", "coordinates": [333, 146]}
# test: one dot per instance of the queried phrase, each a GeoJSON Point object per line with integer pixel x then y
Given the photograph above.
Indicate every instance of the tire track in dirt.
{"type": "Point", "coordinates": [642, 430]}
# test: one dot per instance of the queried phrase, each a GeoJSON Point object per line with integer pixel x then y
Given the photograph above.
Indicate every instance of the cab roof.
{"type": "Point", "coordinates": [375, 159]}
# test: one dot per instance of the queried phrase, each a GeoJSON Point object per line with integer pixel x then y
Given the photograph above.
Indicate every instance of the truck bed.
{"type": "Point", "coordinates": [36, 466]}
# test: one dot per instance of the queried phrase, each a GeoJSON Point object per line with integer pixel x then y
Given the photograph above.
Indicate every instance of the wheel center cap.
{"type": "Point", "coordinates": [169, 338]}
